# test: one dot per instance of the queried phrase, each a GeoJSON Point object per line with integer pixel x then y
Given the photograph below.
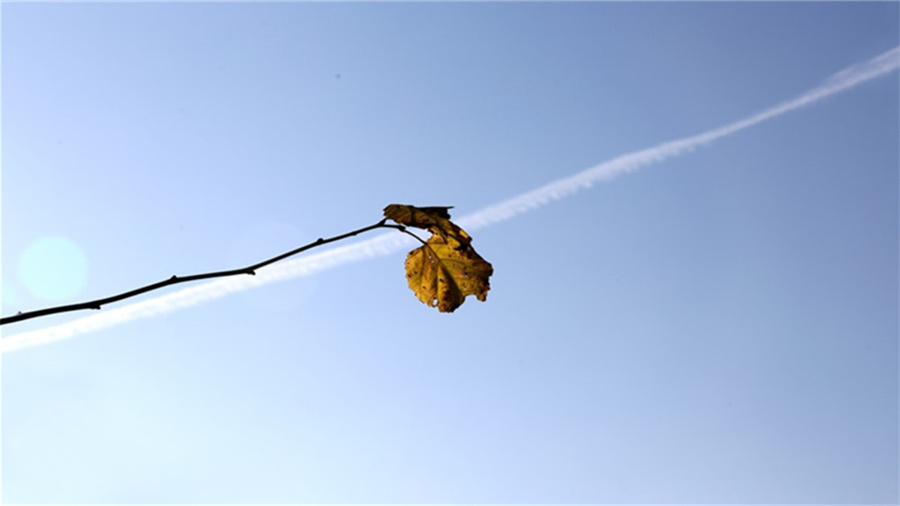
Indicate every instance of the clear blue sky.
{"type": "Point", "coordinates": [720, 327]}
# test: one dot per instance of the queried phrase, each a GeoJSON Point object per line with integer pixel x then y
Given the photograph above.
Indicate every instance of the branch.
{"type": "Point", "coordinates": [251, 270]}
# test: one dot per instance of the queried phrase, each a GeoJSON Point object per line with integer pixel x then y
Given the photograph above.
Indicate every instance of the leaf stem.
{"type": "Point", "coordinates": [406, 231]}
{"type": "Point", "coordinates": [251, 270]}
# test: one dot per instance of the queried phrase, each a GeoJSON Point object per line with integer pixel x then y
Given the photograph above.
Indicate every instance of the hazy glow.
{"type": "Point", "coordinates": [393, 242]}
{"type": "Point", "coordinates": [53, 268]}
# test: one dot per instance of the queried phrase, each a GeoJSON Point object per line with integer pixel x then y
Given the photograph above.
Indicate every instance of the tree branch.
{"type": "Point", "coordinates": [251, 270]}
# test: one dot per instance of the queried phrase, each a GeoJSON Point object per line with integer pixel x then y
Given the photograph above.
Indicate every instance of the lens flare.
{"type": "Point", "coordinates": [53, 268]}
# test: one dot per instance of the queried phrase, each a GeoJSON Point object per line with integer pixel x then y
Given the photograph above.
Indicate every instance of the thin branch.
{"type": "Point", "coordinates": [251, 270]}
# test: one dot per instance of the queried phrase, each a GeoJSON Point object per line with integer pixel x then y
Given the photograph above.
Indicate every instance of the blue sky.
{"type": "Point", "coordinates": [717, 327]}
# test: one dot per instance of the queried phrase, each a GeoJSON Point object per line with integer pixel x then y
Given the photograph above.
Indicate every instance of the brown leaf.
{"type": "Point", "coordinates": [434, 219]}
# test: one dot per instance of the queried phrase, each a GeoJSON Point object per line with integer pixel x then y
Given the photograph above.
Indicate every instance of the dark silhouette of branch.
{"type": "Point", "coordinates": [98, 303]}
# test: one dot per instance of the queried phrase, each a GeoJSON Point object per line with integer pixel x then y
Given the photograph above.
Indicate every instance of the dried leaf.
{"type": "Point", "coordinates": [434, 219]}
{"type": "Point", "coordinates": [446, 269]}
{"type": "Point", "coordinates": [420, 217]}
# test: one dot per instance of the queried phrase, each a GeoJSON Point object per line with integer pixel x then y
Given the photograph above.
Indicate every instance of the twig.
{"type": "Point", "coordinates": [251, 270]}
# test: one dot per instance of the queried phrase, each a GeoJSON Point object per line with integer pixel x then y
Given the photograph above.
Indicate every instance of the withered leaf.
{"type": "Point", "coordinates": [446, 269]}
{"type": "Point", "coordinates": [421, 217]}
{"type": "Point", "coordinates": [434, 219]}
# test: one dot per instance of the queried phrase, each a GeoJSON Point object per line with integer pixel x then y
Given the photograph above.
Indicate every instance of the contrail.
{"type": "Point", "coordinates": [561, 188]}
{"type": "Point", "coordinates": [392, 242]}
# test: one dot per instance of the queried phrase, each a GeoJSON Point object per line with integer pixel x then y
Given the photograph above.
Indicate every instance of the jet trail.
{"type": "Point", "coordinates": [561, 188]}
{"type": "Point", "coordinates": [392, 242]}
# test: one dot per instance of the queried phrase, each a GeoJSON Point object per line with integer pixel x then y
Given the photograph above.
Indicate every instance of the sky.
{"type": "Point", "coordinates": [691, 210]}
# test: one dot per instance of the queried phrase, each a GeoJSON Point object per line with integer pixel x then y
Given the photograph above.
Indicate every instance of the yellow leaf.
{"type": "Point", "coordinates": [446, 269]}
{"type": "Point", "coordinates": [442, 276]}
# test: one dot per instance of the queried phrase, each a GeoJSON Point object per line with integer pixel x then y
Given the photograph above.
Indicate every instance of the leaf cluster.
{"type": "Point", "coordinates": [446, 268]}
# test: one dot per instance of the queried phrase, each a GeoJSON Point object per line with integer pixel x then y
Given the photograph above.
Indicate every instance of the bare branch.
{"type": "Point", "coordinates": [251, 270]}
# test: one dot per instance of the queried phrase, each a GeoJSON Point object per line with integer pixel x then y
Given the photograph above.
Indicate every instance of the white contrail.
{"type": "Point", "coordinates": [392, 242]}
{"type": "Point", "coordinates": [561, 188]}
